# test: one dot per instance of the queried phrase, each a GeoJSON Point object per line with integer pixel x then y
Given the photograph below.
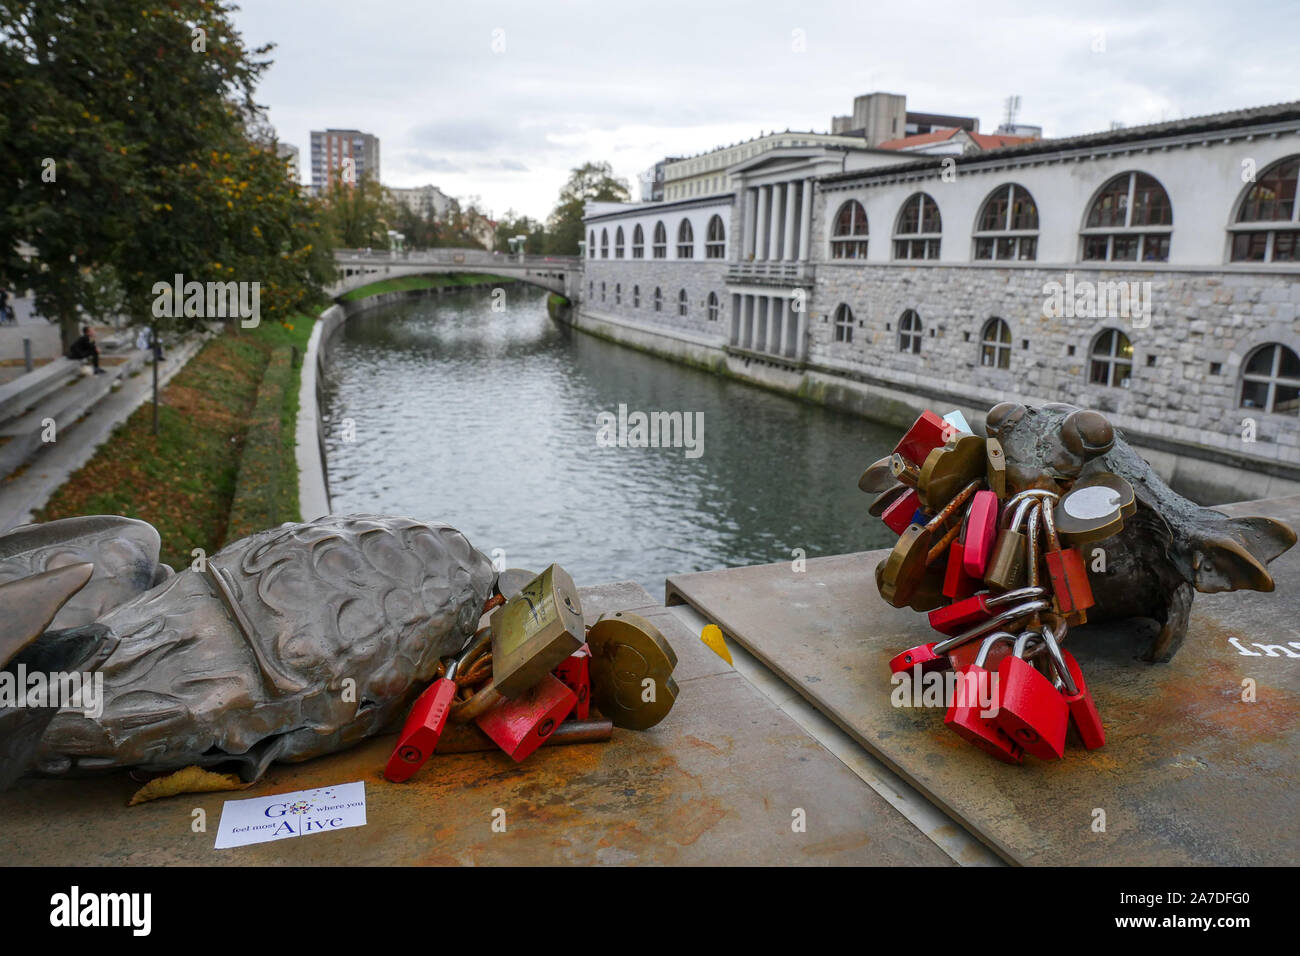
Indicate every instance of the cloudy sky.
{"type": "Point", "coordinates": [500, 100]}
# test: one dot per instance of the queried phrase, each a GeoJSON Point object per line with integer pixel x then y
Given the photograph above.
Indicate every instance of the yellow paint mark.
{"type": "Point", "coordinates": [712, 638]}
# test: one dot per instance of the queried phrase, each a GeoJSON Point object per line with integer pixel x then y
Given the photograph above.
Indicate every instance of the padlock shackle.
{"type": "Point", "coordinates": [1021, 510]}
{"type": "Point", "coordinates": [1031, 563]}
{"type": "Point", "coordinates": [993, 623]}
{"type": "Point", "coordinates": [989, 643]}
{"type": "Point", "coordinates": [1049, 525]}
{"type": "Point", "coordinates": [948, 510]}
{"type": "Point", "coordinates": [1022, 642]}
{"type": "Point", "coordinates": [1016, 594]}
{"type": "Point", "coordinates": [1058, 662]}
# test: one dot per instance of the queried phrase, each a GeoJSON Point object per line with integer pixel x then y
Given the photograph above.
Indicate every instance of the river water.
{"type": "Point", "coordinates": [446, 410]}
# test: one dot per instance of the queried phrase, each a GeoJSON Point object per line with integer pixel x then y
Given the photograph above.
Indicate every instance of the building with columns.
{"type": "Point", "coordinates": [1151, 272]}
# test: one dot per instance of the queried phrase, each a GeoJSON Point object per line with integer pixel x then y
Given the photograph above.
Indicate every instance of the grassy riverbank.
{"type": "Point", "coordinates": [409, 283]}
{"type": "Point", "coordinates": [222, 463]}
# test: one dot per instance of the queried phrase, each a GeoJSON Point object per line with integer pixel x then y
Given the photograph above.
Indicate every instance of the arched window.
{"type": "Point", "coordinates": [849, 237]}
{"type": "Point", "coordinates": [1268, 222]}
{"type": "Point", "coordinates": [715, 242]}
{"type": "Point", "coordinates": [618, 243]}
{"type": "Point", "coordinates": [659, 299]}
{"type": "Point", "coordinates": [714, 307]}
{"type": "Point", "coordinates": [1111, 359]}
{"type": "Point", "coordinates": [681, 302]}
{"type": "Point", "coordinates": [660, 248]}
{"type": "Point", "coordinates": [685, 240]}
{"type": "Point", "coordinates": [995, 344]}
{"type": "Point", "coordinates": [909, 332]}
{"type": "Point", "coordinates": [604, 243]}
{"type": "Point", "coordinates": [1129, 221]}
{"type": "Point", "coordinates": [636, 297]}
{"type": "Point", "coordinates": [919, 229]}
{"type": "Point", "coordinates": [618, 293]}
{"type": "Point", "coordinates": [843, 323]}
{"type": "Point", "coordinates": [1270, 380]}
{"type": "Point", "coordinates": [1007, 227]}
{"type": "Point", "coordinates": [591, 245]}
{"type": "Point", "coordinates": [638, 242]}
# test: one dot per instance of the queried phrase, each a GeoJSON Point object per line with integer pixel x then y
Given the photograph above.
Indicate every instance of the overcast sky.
{"type": "Point", "coordinates": [575, 80]}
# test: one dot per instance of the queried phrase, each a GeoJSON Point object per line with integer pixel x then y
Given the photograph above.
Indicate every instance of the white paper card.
{"type": "Point", "coordinates": [284, 815]}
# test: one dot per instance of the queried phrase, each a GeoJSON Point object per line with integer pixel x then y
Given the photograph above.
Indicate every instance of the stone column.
{"type": "Point", "coordinates": [787, 252]}
{"type": "Point", "coordinates": [801, 335]}
{"type": "Point", "coordinates": [774, 237]}
{"type": "Point", "coordinates": [760, 223]}
{"type": "Point", "coordinates": [775, 325]}
{"type": "Point", "coordinates": [805, 221]}
{"type": "Point", "coordinates": [751, 204]}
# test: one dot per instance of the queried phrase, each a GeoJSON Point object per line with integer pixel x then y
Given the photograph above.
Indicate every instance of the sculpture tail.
{"type": "Point", "coordinates": [1237, 556]}
{"type": "Point", "coordinates": [27, 606]}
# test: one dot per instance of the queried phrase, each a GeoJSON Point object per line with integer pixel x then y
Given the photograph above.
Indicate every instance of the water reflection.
{"type": "Point", "coordinates": [488, 420]}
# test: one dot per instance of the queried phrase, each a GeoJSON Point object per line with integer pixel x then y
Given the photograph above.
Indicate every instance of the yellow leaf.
{"type": "Point", "coordinates": [189, 780]}
{"type": "Point", "coordinates": [712, 638]}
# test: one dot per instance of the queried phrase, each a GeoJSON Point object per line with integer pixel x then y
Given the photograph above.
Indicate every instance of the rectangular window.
{"type": "Point", "coordinates": [1249, 246]}
{"type": "Point", "coordinates": [1124, 249]}
{"type": "Point", "coordinates": [983, 248]}
{"type": "Point", "coordinates": [1285, 246]}
{"type": "Point", "coordinates": [1094, 247]}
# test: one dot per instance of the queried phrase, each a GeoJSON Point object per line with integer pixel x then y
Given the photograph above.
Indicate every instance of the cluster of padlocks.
{"type": "Point", "coordinates": [1002, 576]}
{"type": "Point", "coordinates": [535, 675]}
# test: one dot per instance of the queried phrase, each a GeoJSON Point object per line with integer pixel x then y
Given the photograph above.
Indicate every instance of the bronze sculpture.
{"type": "Point", "coordinates": [1169, 550]}
{"type": "Point", "coordinates": [290, 643]}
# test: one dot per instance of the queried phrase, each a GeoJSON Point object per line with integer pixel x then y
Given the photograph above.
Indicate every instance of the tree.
{"type": "Point", "coordinates": [358, 214]}
{"type": "Point", "coordinates": [132, 142]}
{"type": "Point", "coordinates": [513, 224]}
{"type": "Point", "coordinates": [590, 182]}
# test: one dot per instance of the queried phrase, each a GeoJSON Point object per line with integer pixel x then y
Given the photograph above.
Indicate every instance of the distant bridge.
{"type": "Point", "coordinates": [358, 267]}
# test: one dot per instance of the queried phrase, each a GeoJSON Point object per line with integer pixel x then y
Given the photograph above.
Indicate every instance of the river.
{"type": "Point", "coordinates": [445, 409]}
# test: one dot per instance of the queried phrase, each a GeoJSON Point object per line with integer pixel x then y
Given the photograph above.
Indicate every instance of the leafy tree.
{"type": "Point", "coordinates": [590, 182]}
{"type": "Point", "coordinates": [513, 224]}
{"type": "Point", "coordinates": [358, 214]}
{"type": "Point", "coordinates": [132, 142]}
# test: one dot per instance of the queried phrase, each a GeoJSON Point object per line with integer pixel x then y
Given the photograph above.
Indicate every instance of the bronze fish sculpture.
{"type": "Point", "coordinates": [285, 645]}
{"type": "Point", "coordinates": [1168, 550]}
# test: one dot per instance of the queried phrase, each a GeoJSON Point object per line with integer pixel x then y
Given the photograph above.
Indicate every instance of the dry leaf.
{"type": "Point", "coordinates": [189, 780]}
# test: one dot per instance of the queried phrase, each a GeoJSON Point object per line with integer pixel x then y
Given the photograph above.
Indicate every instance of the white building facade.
{"type": "Point", "coordinates": [1152, 273]}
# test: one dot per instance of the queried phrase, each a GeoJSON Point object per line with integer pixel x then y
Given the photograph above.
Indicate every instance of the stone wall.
{"type": "Point", "coordinates": [1199, 320]}
{"type": "Point", "coordinates": [698, 277]}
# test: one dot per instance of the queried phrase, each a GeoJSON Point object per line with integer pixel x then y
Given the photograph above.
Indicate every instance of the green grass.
{"type": "Point", "coordinates": [185, 479]}
{"type": "Point", "coordinates": [408, 283]}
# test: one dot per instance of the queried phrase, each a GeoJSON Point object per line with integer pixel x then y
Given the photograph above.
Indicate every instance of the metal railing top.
{"type": "Point", "coordinates": [454, 257]}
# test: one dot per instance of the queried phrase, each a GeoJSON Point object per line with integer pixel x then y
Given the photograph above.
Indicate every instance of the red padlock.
{"type": "Point", "coordinates": [957, 584]}
{"type": "Point", "coordinates": [923, 655]}
{"type": "Point", "coordinates": [575, 671]}
{"type": "Point", "coordinates": [1030, 708]}
{"type": "Point", "coordinates": [1069, 573]}
{"type": "Point", "coordinates": [964, 714]}
{"type": "Point", "coordinates": [519, 726]}
{"type": "Point", "coordinates": [961, 615]}
{"type": "Point", "coordinates": [980, 532]}
{"type": "Point", "coordinates": [926, 434]}
{"type": "Point", "coordinates": [1083, 710]}
{"type": "Point", "coordinates": [424, 725]}
{"type": "Point", "coordinates": [899, 514]}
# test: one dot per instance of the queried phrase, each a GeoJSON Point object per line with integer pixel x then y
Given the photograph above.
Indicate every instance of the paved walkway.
{"type": "Point", "coordinates": [53, 464]}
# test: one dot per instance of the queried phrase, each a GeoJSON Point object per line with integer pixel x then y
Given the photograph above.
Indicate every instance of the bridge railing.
{"type": "Point", "coordinates": [468, 257]}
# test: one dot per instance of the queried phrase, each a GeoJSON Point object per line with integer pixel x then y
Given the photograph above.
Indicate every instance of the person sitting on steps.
{"type": "Point", "coordinates": [85, 348]}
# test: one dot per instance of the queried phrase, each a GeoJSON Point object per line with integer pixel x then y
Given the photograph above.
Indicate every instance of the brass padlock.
{"type": "Point", "coordinates": [631, 670]}
{"type": "Point", "coordinates": [996, 470]}
{"type": "Point", "coordinates": [535, 631]}
{"type": "Point", "coordinates": [1006, 568]}
{"type": "Point", "coordinates": [949, 469]}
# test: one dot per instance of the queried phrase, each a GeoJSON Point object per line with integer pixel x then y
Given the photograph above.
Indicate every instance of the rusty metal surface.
{"type": "Point", "coordinates": [714, 783]}
{"type": "Point", "coordinates": [1190, 774]}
